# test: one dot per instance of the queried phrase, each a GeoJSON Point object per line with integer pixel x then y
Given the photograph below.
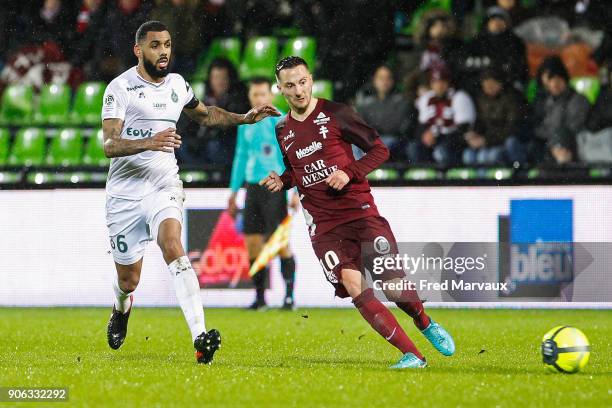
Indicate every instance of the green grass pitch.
{"type": "Point", "coordinates": [307, 358]}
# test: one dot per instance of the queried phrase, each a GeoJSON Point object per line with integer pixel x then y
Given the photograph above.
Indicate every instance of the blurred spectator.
{"type": "Point", "coordinates": [184, 21]}
{"type": "Point", "coordinates": [88, 7]}
{"type": "Point", "coordinates": [558, 117]}
{"type": "Point", "coordinates": [495, 137]}
{"type": "Point", "coordinates": [437, 37]}
{"type": "Point", "coordinates": [355, 39]}
{"type": "Point", "coordinates": [496, 45]}
{"type": "Point", "coordinates": [89, 26]}
{"type": "Point", "coordinates": [595, 143]}
{"type": "Point", "coordinates": [445, 114]}
{"type": "Point", "coordinates": [53, 22]}
{"type": "Point", "coordinates": [207, 145]}
{"type": "Point", "coordinates": [115, 52]}
{"type": "Point", "coordinates": [518, 14]}
{"type": "Point", "coordinates": [388, 111]}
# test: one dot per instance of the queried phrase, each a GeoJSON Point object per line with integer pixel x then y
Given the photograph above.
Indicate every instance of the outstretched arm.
{"type": "Point", "coordinates": [115, 146]}
{"type": "Point", "coordinates": [215, 116]}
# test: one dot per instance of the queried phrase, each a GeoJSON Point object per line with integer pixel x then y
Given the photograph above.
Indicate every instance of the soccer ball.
{"type": "Point", "coordinates": [565, 349]}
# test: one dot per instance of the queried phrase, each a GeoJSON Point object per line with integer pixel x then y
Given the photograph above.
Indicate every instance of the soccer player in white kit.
{"type": "Point", "coordinates": [144, 195]}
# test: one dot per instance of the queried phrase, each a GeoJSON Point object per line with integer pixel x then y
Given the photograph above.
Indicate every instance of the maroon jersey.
{"type": "Point", "coordinates": [315, 148]}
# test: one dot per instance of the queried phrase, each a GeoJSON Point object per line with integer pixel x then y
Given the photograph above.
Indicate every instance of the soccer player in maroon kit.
{"type": "Point", "coordinates": [315, 138]}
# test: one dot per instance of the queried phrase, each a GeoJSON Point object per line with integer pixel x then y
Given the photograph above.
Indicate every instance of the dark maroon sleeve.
{"type": "Point", "coordinates": [356, 131]}
{"type": "Point", "coordinates": [287, 177]}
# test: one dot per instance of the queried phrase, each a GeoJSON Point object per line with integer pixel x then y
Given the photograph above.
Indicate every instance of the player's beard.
{"type": "Point", "coordinates": [153, 71]}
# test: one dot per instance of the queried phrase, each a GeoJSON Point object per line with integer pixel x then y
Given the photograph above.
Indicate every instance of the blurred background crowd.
{"type": "Point", "coordinates": [461, 82]}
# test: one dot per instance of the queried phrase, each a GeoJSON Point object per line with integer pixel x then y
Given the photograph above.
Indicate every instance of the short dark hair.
{"type": "Point", "coordinates": [258, 80]}
{"type": "Point", "coordinates": [289, 62]}
{"type": "Point", "coordinates": [152, 25]}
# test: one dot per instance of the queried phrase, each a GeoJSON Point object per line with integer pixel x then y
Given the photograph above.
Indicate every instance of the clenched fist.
{"type": "Point", "coordinates": [337, 180]}
{"type": "Point", "coordinates": [272, 182]}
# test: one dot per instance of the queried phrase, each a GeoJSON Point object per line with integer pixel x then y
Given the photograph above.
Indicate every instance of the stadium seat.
{"type": "Point", "coordinates": [10, 177]}
{"type": "Point", "coordinates": [66, 148]}
{"type": "Point", "coordinates": [305, 47]}
{"type": "Point", "coordinates": [259, 58]}
{"type": "Point", "coordinates": [417, 16]}
{"type": "Point", "coordinates": [498, 173]}
{"type": "Point", "coordinates": [192, 176]}
{"type": "Point", "coordinates": [532, 90]}
{"type": "Point", "coordinates": [4, 145]}
{"type": "Point", "coordinates": [17, 106]}
{"type": "Point", "coordinates": [461, 174]}
{"type": "Point", "coordinates": [54, 105]}
{"type": "Point", "coordinates": [587, 86]}
{"type": "Point", "coordinates": [219, 47]}
{"type": "Point", "coordinates": [199, 89]}
{"type": "Point", "coordinates": [383, 175]}
{"type": "Point", "coordinates": [28, 148]}
{"type": "Point", "coordinates": [420, 174]}
{"type": "Point", "coordinates": [94, 151]}
{"type": "Point", "coordinates": [88, 104]}
{"type": "Point", "coordinates": [323, 89]}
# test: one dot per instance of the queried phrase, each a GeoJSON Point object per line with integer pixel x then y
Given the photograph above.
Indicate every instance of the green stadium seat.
{"type": "Point", "coordinates": [461, 174]}
{"type": "Point", "coordinates": [190, 176]}
{"type": "Point", "coordinates": [199, 89]}
{"type": "Point", "coordinates": [533, 173]}
{"type": "Point", "coordinates": [383, 175]}
{"type": "Point", "coordinates": [94, 151]}
{"type": "Point", "coordinates": [88, 104]}
{"type": "Point", "coordinates": [424, 8]}
{"type": "Point", "coordinates": [28, 147]}
{"type": "Point", "coordinates": [17, 105]}
{"type": "Point", "coordinates": [228, 48]}
{"type": "Point", "coordinates": [498, 173]}
{"type": "Point", "coordinates": [279, 100]}
{"type": "Point", "coordinates": [10, 177]}
{"type": "Point", "coordinates": [532, 90]}
{"type": "Point", "coordinates": [587, 86]}
{"type": "Point", "coordinates": [259, 58]}
{"type": "Point", "coordinates": [305, 47]}
{"type": "Point", "coordinates": [5, 139]}
{"type": "Point", "coordinates": [420, 174]}
{"type": "Point", "coordinates": [66, 148]}
{"type": "Point", "coordinates": [323, 89]}
{"type": "Point", "coordinates": [54, 105]}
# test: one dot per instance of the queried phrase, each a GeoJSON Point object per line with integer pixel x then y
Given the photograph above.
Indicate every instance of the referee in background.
{"type": "Point", "coordinates": [257, 154]}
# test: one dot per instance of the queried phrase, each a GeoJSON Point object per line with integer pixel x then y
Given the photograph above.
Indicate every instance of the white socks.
{"type": "Point", "coordinates": [123, 300]}
{"type": "Point", "coordinates": [187, 291]}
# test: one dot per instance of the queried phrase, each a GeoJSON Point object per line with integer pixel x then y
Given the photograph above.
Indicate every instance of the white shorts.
{"type": "Point", "coordinates": [133, 223]}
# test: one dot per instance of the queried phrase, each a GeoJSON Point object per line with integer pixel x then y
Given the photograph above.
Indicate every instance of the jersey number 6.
{"type": "Point", "coordinates": [121, 245]}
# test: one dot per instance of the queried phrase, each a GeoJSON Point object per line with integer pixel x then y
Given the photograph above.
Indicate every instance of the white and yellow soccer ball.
{"type": "Point", "coordinates": [565, 349]}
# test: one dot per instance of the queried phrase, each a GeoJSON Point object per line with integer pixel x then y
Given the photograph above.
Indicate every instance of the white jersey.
{"type": "Point", "coordinates": [146, 108]}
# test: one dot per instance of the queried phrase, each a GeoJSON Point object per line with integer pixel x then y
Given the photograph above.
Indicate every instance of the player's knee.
{"type": "Point", "coordinates": [352, 282]}
{"type": "Point", "coordinates": [129, 283]}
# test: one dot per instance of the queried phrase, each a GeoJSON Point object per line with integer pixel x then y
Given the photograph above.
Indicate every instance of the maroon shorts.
{"type": "Point", "coordinates": [341, 247]}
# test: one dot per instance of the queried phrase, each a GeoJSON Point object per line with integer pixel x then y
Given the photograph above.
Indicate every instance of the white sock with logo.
{"type": "Point", "coordinates": [123, 300]}
{"type": "Point", "coordinates": [187, 291]}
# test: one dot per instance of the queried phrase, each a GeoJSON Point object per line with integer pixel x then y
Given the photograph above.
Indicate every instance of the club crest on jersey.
{"type": "Point", "coordinates": [323, 131]}
{"type": "Point", "coordinates": [174, 96]}
{"type": "Point", "coordinates": [321, 119]}
{"type": "Point", "coordinates": [381, 245]}
{"type": "Point", "coordinates": [308, 150]}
